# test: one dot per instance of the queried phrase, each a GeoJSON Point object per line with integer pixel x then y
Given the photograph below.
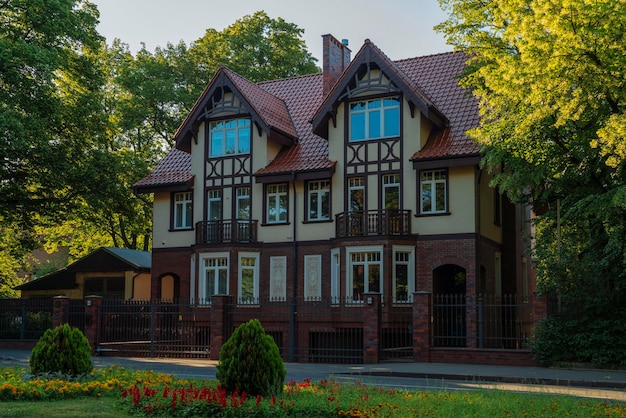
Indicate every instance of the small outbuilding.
{"type": "Point", "coordinates": [110, 272]}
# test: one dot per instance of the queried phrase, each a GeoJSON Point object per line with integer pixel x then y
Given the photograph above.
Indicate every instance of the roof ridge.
{"type": "Point", "coordinates": [277, 80]}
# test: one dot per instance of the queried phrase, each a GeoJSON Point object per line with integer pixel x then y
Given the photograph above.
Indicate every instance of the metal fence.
{"type": "Point", "coordinates": [153, 329]}
{"type": "Point", "coordinates": [501, 321]}
{"type": "Point", "coordinates": [25, 319]}
{"type": "Point", "coordinates": [314, 331]}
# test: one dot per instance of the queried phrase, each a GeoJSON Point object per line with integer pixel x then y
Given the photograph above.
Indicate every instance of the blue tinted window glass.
{"type": "Point", "coordinates": [357, 126]}
{"type": "Point", "coordinates": [374, 128]}
{"type": "Point", "coordinates": [392, 122]}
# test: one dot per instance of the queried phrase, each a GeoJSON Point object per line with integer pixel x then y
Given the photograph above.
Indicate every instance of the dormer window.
{"type": "Point", "coordinates": [375, 119]}
{"type": "Point", "coordinates": [229, 137]}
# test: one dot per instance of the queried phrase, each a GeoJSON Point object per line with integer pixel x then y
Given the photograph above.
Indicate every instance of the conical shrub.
{"type": "Point", "coordinates": [62, 350]}
{"type": "Point", "coordinates": [250, 362]}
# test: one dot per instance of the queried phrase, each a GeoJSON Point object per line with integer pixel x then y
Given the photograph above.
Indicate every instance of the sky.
{"type": "Point", "coordinates": [400, 28]}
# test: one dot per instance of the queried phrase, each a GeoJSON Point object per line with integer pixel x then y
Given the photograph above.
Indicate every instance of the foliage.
{"type": "Point", "coordinates": [62, 349]}
{"type": "Point", "coordinates": [250, 362]}
{"type": "Point", "coordinates": [155, 392]}
{"type": "Point", "coordinates": [256, 47]}
{"type": "Point", "coordinates": [83, 121]}
{"type": "Point", "coordinates": [550, 78]}
{"type": "Point", "coordinates": [36, 324]}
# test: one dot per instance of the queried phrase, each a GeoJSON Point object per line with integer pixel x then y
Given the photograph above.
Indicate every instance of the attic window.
{"type": "Point", "coordinates": [229, 137]}
{"type": "Point", "coordinates": [375, 119]}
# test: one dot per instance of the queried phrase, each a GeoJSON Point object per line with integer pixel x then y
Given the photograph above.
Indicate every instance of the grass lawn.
{"type": "Point", "coordinates": [119, 392]}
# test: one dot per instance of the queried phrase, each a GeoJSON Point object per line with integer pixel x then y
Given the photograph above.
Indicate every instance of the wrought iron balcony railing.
{"type": "Point", "coordinates": [226, 230]}
{"type": "Point", "coordinates": [373, 222]}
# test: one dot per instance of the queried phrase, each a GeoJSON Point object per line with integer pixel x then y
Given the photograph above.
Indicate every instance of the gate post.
{"type": "Point", "coordinates": [59, 310]}
{"type": "Point", "coordinates": [92, 321]}
{"type": "Point", "coordinates": [371, 328]}
{"type": "Point", "coordinates": [218, 324]}
{"type": "Point", "coordinates": [422, 314]}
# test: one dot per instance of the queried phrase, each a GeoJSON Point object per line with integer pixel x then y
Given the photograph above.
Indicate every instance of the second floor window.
{"type": "Point", "coordinates": [183, 205]}
{"type": "Point", "coordinates": [391, 191]}
{"type": "Point", "coordinates": [229, 137]}
{"type": "Point", "coordinates": [214, 205]}
{"type": "Point", "coordinates": [356, 191]}
{"type": "Point", "coordinates": [319, 200]}
{"type": "Point", "coordinates": [242, 209]}
{"type": "Point", "coordinates": [433, 184]}
{"type": "Point", "coordinates": [276, 195]}
{"type": "Point", "coordinates": [375, 119]}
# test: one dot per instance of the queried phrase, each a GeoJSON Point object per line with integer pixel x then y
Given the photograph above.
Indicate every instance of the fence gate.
{"type": "Point", "coordinates": [152, 329]}
{"type": "Point", "coordinates": [396, 339]}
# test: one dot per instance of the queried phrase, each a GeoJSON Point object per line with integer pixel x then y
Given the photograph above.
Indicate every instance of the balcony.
{"type": "Point", "coordinates": [226, 230]}
{"type": "Point", "coordinates": [373, 222]}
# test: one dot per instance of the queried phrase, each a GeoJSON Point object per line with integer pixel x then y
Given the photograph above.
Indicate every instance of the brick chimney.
{"type": "Point", "coordinates": [336, 57]}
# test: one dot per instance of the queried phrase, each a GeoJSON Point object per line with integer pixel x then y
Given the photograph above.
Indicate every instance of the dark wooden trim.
{"type": "Point", "coordinates": [445, 162]}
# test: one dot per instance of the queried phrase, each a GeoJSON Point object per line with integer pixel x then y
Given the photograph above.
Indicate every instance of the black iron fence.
{"type": "Point", "coordinates": [25, 319]}
{"type": "Point", "coordinates": [373, 222]}
{"type": "Point", "coordinates": [501, 321]}
{"type": "Point", "coordinates": [152, 329]}
{"type": "Point", "coordinates": [323, 331]}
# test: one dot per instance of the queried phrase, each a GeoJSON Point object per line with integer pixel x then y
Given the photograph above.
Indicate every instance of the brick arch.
{"type": "Point", "coordinates": [168, 286]}
{"type": "Point", "coordinates": [450, 279]}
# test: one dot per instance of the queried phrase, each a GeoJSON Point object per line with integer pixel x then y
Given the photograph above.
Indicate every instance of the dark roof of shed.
{"type": "Point", "coordinates": [104, 259]}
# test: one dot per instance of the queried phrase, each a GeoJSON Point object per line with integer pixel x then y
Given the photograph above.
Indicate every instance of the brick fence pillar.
{"type": "Point", "coordinates": [422, 313]}
{"type": "Point", "coordinates": [371, 327]}
{"type": "Point", "coordinates": [59, 310]}
{"type": "Point", "coordinates": [218, 324]}
{"type": "Point", "coordinates": [92, 321]}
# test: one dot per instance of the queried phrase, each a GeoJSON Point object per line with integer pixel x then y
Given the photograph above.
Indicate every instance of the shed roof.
{"type": "Point", "coordinates": [104, 259]}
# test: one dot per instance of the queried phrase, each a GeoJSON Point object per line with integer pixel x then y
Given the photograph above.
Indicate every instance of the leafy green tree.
{"type": "Point", "coordinates": [257, 47]}
{"type": "Point", "coordinates": [39, 42]}
{"type": "Point", "coordinates": [550, 77]}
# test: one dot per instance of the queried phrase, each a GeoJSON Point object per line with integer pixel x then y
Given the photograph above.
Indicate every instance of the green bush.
{"type": "Point", "coordinates": [62, 350]}
{"type": "Point", "coordinates": [250, 362]}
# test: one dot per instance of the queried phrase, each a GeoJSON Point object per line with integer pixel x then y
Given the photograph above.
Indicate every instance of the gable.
{"type": "Point", "coordinates": [372, 72]}
{"type": "Point", "coordinates": [230, 94]}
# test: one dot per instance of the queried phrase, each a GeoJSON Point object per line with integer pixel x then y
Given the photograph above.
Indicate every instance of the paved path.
{"type": "Point", "coordinates": [595, 383]}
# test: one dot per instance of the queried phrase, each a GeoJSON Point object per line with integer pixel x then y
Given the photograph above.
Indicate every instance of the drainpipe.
{"type": "Point", "coordinates": [294, 295]}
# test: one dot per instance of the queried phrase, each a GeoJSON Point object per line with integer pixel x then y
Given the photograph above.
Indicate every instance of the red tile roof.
{"type": "Point", "coordinates": [173, 170]}
{"type": "Point", "coordinates": [438, 75]}
{"type": "Point", "coordinates": [289, 105]}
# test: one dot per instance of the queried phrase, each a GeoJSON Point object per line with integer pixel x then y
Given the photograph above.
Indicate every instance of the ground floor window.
{"type": "Point", "coordinates": [213, 276]}
{"type": "Point", "coordinates": [403, 273]}
{"type": "Point", "coordinates": [364, 272]}
{"type": "Point", "coordinates": [248, 278]}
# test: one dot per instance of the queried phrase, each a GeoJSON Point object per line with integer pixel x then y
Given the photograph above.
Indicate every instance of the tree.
{"type": "Point", "coordinates": [257, 47]}
{"type": "Point", "coordinates": [550, 76]}
{"type": "Point", "coordinates": [40, 41]}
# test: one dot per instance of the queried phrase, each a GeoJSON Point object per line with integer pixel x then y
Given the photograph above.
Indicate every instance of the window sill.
{"type": "Point", "coordinates": [423, 215]}
{"type": "Point", "coordinates": [276, 224]}
{"type": "Point", "coordinates": [320, 221]}
{"type": "Point", "coordinates": [180, 229]}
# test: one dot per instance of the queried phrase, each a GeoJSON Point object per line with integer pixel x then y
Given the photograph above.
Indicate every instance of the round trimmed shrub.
{"type": "Point", "coordinates": [250, 362]}
{"type": "Point", "coordinates": [62, 350]}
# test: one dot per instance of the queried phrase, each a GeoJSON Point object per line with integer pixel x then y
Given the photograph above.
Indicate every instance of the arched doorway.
{"type": "Point", "coordinates": [170, 287]}
{"type": "Point", "coordinates": [449, 310]}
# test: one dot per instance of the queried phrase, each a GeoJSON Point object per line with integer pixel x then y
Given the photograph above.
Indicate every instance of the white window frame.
{"type": "Point", "coordinates": [321, 189]}
{"type": "Point", "coordinates": [356, 184]}
{"type": "Point", "coordinates": [236, 129]}
{"type": "Point", "coordinates": [368, 111]}
{"type": "Point", "coordinates": [242, 194]}
{"type": "Point", "coordinates": [253, 300]}
{"type": "Point", "coordinates": [204, 294]}
{"type": "Point", "coordinates": [214, 195]}
{"type": "Point", "coordinates": [335, 275]}
{"type": "Point", "coordinates": [410, 263]}
{"type": "Point", "coordinates": [432, 182]}
{"type": "Point", "coordinates": [350, 298]}
{"type": "Point", "coordinates": [183, 205]}
{"type": "Point", "coordinates": [391, 181]}
{"type": "Point", "coordinates": [274, 193]}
